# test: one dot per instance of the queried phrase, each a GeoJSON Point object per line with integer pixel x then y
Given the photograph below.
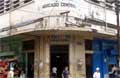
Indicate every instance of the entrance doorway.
{"type": "Point", "coordinates": [89, 65]}
{"type": "Point", "coordinates": [30, 65]}
{"type": "Point", "coordinates": [59, 58]}
{"type": "Point", "coordinates": [28, 48]}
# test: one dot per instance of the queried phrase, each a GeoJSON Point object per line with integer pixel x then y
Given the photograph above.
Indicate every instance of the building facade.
{"type": "Point", "coordinates": [80, 34]}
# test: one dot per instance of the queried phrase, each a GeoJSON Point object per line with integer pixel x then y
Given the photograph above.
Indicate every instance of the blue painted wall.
{"type": "Point", "coordinates": [105, 53]}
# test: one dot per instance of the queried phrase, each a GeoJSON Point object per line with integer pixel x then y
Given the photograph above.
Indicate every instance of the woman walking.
{"type": "Point", "coordinates": [65, 73]}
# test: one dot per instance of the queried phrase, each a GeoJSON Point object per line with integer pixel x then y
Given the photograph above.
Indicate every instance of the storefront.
{"type": "Point", "coordinates": [11, 56]}
{"type": "Point", "coordinates": [59, 50]}
{"type": "Point", "coordinates": [106, 53]}
{"type": "Point", "coordinates": [18, 54]}
{"type": "Point", "coordinates": [38, 54]}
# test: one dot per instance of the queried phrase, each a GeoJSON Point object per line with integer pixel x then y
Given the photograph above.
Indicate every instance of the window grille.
{"type": "Point", "coordinates": [9, 5]}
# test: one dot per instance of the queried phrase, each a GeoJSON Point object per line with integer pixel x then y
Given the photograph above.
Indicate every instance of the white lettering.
{"type": "Point", "coordinates": [62, 4]}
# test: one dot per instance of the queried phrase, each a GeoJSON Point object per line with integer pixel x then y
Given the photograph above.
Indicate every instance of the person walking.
{"type": "Point", "coordinates": [115, 72]}
{"type": "Point", "coordinates": [65, 73]}
{"type": "Point", "coordinates": [22, 75]}
{"type": "Point", "coordinates": [97, 73]}
{"type": "Point", "coordinates": [54, 72]}
{"type": "Point", "coordinates": [11, 73]}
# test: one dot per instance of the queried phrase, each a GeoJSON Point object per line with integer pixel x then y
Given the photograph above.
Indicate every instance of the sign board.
{"type": "Point", "coordinates": [59, 38]}
{"type": "Point", "coordinates": [55, 7]}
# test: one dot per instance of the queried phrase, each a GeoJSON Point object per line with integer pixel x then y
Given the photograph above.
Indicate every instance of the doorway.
{"type": "Point", "coordinates": [89, 65]}
{"type": "Point", "coordinates": [30, 65]}
{"type": "Point", "coordinates": [28, 48]}
{"type": "Point", "coordinates": [59, 58]}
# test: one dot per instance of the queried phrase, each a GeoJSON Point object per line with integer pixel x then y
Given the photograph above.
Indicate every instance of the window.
{"type": "Point", "coordinates": [88, 44]}
{"type": "Point", "coordinates": [1, 6]}
{"type": "Point", "coordinates": [16, 3]}
{"type": "Point", "coordinates": [109, 4]}
{"type": "Point", "coordinates": [7, 5]}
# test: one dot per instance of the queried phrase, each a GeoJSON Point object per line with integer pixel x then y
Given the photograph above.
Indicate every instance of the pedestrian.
{"type": "Point", "coordinates": [115, 73]}
{"type": "Point", "coordinates": [65, 73]}
{"type": "Point", "coordinates": [54, 72]}
{"type": "Point", "coordinates": [114, 68]}
{"type": "Point", "coordinates": [11, 73]}
{"type": "Point", "coordinates": [97, 73]}
{"type": "Point", "coordinates": [22, 75]}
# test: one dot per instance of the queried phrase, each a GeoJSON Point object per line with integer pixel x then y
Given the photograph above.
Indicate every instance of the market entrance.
{"type": "Point", "coordinates": [59, 55]}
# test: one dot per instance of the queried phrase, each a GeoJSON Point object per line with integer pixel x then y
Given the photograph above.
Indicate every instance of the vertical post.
{"type": "Point", "coordinates": [67, 12]}
{"type": "Point", "coordinates": [118, 30]}
{"type": "Point", "coordinates": [10, 24]}
{"type": "Point", "coordinates": [66, 20]}
{"type": "Point", "coordinates": [105, 16]}
{"type": "Point", "coordinates": [9, 33]}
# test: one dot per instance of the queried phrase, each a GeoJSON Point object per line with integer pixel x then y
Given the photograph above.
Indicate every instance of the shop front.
{"type": "Point", "coordinates": [37, 56]}
{"type": "Point", "coordinates": [17, 54]}
{"type": "Point", "coordinates": [59, 58]}
{"type": "Point", "coordinates": [59, 50]}
{"type": "Point", "coordinates": [11, 56]}
{"type": "Point", "coordinates": [106, 53]}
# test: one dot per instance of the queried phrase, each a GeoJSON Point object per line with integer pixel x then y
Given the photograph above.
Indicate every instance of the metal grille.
{"type": "Point", "coordinates": [9, 5]}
